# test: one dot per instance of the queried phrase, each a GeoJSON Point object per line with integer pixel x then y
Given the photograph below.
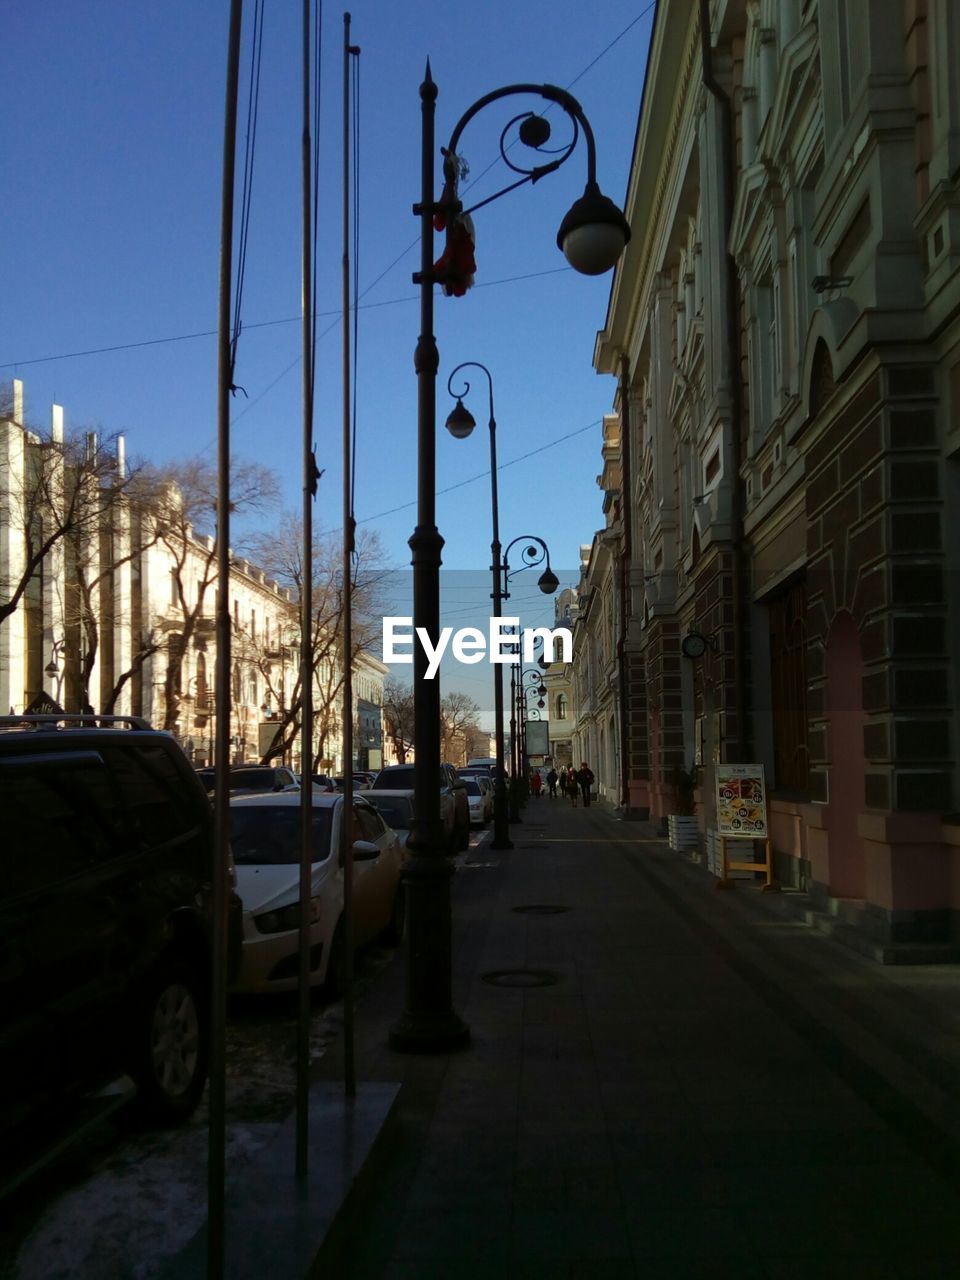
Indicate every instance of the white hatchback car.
{"type": "Point", "coordinates": [479, 798]}
{"type": "Point", "coordinates": [265, 838]}
{"type": "Point", "coordinates": [486, 789]}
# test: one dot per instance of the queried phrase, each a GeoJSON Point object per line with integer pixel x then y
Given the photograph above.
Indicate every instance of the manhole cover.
{"type": "Point", "coordinates": [541, 909]}
{"type": "Point", "coordinates": [521, 978]}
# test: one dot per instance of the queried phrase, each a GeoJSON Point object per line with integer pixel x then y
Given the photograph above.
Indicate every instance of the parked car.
{"type": "Point", "coordinates": [396, 809]}
{"type": "Point", "coordinates": [253, 777]}
{"type": "Point", "coordinates": [105, 918]}
{"type": "Point", "coordinates": [486, 787]}
{"type": "Point", "coordinates": [487, 763]}
{"type": "Point", "coordinates": [401, 776]}
{"type": "Point", "coordinates": [360, 780]}
{"type": "Point", "coordinates": [477, 800]}
{"type": "Point", "coordinates": [265, 837]}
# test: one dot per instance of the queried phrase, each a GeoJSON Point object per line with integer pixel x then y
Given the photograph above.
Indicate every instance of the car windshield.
{"type": "Point", "coordinates": [472, 786]}
{"type": "Point", "coordinates": [394, 779]}
{"type": "Point", "coordinates": [252, 779]}
{"type": "Point", "coordinates": [396, 812]}
{"type": "Point", "coordinates": [269, 835]}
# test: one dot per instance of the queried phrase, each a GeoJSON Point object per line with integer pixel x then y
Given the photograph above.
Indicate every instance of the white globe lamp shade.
{"type": "Point", "coordinates": [594, 233]}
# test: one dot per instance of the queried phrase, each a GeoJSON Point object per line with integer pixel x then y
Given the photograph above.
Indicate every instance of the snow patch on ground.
{"type": "Point", "coordinates": [126, 1221]}
{"type": "Point", "coordinates": [146, 1194]}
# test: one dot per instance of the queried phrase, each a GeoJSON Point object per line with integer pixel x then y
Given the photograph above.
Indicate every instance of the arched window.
{"type": "Point", "coordinates": [822, 383]}
{"type": "Point", "coordinates": [561, 706]}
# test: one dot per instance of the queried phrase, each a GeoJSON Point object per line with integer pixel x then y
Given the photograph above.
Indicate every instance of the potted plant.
{"type": "Point", "coordinates": [682, 829]}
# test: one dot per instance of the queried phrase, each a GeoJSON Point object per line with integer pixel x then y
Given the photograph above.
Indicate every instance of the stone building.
{"type": "Point", "coordinates": [596, 634]}
{"type": "Point", "coordinates": [784, 328]}
{"type": "Point", "coordinates": [118, 612]}
{"type": "Point", "coordinates": [558, 681]}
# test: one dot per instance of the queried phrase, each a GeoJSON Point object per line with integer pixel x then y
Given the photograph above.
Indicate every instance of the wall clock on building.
{"type": "Point", "coordinates": [693, 645]}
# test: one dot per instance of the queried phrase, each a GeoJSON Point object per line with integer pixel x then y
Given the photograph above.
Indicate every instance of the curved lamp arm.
{"type": "Point", "coordinates": [458, 395]}
{"type": "Point", "coordinates": [594, 231]}
{"type": "Point", "coordinates": [533, 135]}
{"type": "Point", "coordinates": [532, 556]}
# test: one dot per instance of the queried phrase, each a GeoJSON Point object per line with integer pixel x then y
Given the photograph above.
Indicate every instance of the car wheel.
{"type": "Point", "coordinates": [170, 1045]}
{"type": "Point", "coordinates": [393, 933]}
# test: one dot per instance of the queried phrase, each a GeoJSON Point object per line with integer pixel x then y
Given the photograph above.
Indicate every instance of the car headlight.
{"type": "Point", "coordinates": [286, 918]}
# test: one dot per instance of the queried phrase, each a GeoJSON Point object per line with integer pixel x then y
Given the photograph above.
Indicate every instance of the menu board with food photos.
{"type": "Point", "coordinates": [741, 801]}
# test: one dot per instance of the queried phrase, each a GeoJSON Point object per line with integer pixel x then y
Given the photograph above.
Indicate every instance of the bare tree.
{"type": "Point", "coordinates": [458, 711]}
{"type": "Point", "coordinates": [398, 716]}
{"type": "Point", "coordinates": [62, 489]}
{"type": "Point", "coordinates": [95, 556]}
{"type": "Point", "coordinates": [184, 522]}
{"type": "Point", "coordinates": [280, 553]}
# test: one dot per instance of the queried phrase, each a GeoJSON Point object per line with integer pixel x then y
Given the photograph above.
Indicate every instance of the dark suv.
{"type": "Point", "coordinates": [400, 777]}
{"type": "Point", "coordinates": [105, 914]}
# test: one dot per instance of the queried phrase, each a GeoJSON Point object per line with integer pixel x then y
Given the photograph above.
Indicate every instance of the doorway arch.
{"type": "Point", "coordinates": [847, 793]}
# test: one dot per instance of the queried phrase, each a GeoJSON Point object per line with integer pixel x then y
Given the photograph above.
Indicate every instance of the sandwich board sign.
{"type": "Point", "coordinates": [741, 801]}
{"type": "Point", "coordinates": [741, 796]}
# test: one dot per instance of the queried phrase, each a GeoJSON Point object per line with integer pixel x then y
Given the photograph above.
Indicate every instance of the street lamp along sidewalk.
{"type": "Point", "coordinates": [460, 424]}
{"type": "Point", "coordinates": [592, 236]}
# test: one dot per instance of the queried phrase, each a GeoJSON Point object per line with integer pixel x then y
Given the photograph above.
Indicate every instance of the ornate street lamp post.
{"type": "Point", "coordinates": [592, 237]}
{"type": "Point", "coordinates": [460, 424]}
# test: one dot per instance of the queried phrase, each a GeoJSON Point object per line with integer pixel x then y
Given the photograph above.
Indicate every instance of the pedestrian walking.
{"type": "Point", "coordinates": [536, 782]}
{"type": "Point", "coordinates": [572, 786]}
{"type": "Point", "coordinates": [552, 783]}
{"type": "Point", "coordinates": [584, 777]}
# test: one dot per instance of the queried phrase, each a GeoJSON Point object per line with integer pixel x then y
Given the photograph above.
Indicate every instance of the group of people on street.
{"type": "Point", "coordinates": [572, 783]}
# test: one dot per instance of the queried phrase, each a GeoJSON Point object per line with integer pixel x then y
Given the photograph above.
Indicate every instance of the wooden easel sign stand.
{"type": "Point", "coordinates": [742, 815]}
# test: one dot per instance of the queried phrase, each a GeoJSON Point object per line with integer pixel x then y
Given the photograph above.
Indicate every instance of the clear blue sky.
{"type": "Point", "coordinates": [111, 145]}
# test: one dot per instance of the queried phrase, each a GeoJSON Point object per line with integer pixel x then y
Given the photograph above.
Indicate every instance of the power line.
{"type": "Point", "coordinates": [209, 333]}
{"type": "Point", "coordinates": [261, 324]}
{"type": "Point", "coordinates": [481, 475]}
{"type": "Point", "coordinates": [616, 39]}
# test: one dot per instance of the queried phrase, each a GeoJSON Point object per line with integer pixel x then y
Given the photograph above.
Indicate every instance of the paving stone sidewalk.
{"type": "Point", "coordinates": [704, 1088]}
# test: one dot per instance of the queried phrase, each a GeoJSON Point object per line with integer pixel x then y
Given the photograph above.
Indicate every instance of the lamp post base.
{"type": "Point", "coordinates": [501, 830]}
{"type": "Point", "coordinates": [428, 1023]}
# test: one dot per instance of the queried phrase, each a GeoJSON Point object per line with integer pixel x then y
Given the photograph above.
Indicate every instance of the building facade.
{"type": "Point", "coordinates": [595, 669]}
{"type": "Point", "coordinates": [111, 596]}
{"type": "Point", "coordinates": [558, 679]}
{"type": "Point", "coordinates": [784, 329]}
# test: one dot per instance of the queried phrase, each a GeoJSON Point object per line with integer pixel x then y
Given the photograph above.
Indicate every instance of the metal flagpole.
{"type": "Point", "coordinates": [216, 1161]}
{"type": "Point", "coordinates": [346, 826]}
{"type": "Point", "coordinates": [306, 635]}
